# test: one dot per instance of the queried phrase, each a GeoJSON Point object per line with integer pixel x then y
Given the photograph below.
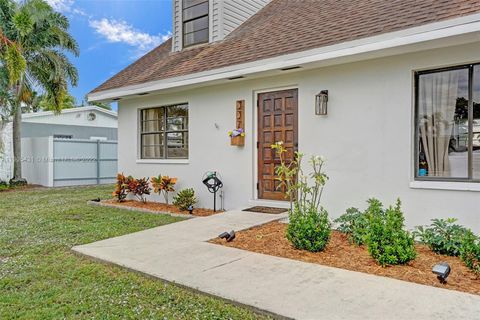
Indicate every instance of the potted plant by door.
{"type": "Point", "coordinates": [237, 137]}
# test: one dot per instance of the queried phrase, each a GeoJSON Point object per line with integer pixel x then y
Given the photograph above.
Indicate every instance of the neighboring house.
{"type": "Point", "coordinates": [76, 123]}
{"type": "Point", "coordinates": [402, 80]}
{"type": "Point", "coordinates": [61, 149]}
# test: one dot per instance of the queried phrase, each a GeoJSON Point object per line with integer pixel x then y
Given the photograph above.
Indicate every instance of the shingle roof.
{"type": "Point", "coordinates": [288, 26]}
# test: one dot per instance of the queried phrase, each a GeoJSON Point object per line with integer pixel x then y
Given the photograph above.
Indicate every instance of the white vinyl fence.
{"type": "Point", "coordinates": [6, 152]}
{"type": "Point", "coordinates": [69, 162]}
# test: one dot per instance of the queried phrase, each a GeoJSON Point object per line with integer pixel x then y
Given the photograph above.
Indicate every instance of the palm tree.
{"type": "Point", "coordinates": [46, 104]}
{"type": "Point", "coordinates": [5, 101]}
{"type": "Point", "coordinates": [34, 40]}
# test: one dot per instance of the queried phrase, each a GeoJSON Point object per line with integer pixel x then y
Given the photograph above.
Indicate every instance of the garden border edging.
{"type": "Point", "coordinates": [111, 205]}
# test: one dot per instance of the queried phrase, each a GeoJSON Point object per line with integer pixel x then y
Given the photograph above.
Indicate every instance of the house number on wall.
{"type": "Point", "coordinates": [239, 123]}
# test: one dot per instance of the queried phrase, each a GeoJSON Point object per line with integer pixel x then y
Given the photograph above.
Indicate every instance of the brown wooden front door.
{"type": "Point", "coordinates": [277, 121]}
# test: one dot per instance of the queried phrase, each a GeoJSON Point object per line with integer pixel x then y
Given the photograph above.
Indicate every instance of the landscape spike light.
{"type": "Point", "coordinates": [442, 270]}
{"type": "Point", "coordinates": [223, 235]}
{"type": "Point", "coordinates": [231, 236]}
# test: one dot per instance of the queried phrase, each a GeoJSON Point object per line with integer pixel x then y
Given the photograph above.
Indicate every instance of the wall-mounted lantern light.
{"type": "Point", "coordinates": [321, 100]}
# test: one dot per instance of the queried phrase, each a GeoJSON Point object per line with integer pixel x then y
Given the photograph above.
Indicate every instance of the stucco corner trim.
{"type": "Point", "coordinates": [162, 161]}
{"type": "Point", "coordinates": [445, 185]}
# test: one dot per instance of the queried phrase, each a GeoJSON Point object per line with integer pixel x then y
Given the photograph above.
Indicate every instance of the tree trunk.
{"type": "Point", "coordinates": [17, 143]}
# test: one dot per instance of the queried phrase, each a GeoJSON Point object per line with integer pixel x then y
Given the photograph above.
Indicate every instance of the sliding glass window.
{"type": "Point", "coordinates": [447, 129]}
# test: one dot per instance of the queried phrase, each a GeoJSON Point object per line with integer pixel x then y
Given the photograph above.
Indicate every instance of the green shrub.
{"type": "Point", "coordinates": [443, 236]}
{"type": "Point", "coordinates": [355, 224]}
{"type": "Point", "coordinates": [388, 243]}
{"type": "Point", "coordinates": [470, 251]}
{"type": "Point", "coordinates": [309, 227]}
{"type": "Point", "coordinates": [15, 183]}
{"type": "Point", "coordinates": [4, 185]}
{"type": "Point", "coordinates": [309, 230]}
{"type": "Point", "coordinates": [184, 199]}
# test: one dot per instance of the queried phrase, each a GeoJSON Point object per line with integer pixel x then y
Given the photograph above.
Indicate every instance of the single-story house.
{"type": "Point", "coordinates": [387, 91]}
{"type": "Point", "coordinates": [56, 147]}
{"type": "Point", "coordinates": [89, 122]}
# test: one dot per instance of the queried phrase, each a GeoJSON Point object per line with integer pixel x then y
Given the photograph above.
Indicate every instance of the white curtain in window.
{"type": "Point", "coordinates": [437, 99]}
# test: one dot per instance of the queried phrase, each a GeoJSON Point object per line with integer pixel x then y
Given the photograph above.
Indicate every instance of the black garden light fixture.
{"type": "Point", "coordinates": [321, 100]}
{"type": "Point", "coordinates": [442, 270]}
{"type": "Point", "coordinates": [213, 183]}
{"type": "Point", "coordinates": [229, 236]}
{"type": "Point", "coordinates": [190, 209]}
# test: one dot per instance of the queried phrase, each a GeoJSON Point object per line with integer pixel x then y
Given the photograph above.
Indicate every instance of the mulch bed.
{"type": "Point", "coordinates": [269, 210]}
{"type": "Point", "coordinates": [270, 239]}
{"type": "Point", "coordinates": [162, 207]}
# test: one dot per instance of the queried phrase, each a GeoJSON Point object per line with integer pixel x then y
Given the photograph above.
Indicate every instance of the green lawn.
{"type": "Point", "coordinates": [40, 278]}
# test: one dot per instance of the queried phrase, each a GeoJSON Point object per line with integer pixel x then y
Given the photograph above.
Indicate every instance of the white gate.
{"type": "Point", "coordinates": [77, 162]}
{"type": "Point", "coordinates": [54, 162]}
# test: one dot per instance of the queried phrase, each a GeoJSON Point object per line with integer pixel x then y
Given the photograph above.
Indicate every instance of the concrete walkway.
{"type": "Point", "coordinates": [178, 253]}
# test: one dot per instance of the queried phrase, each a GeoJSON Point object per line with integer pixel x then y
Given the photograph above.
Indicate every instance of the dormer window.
{"type": "Point", "coordinates": [195, 22]}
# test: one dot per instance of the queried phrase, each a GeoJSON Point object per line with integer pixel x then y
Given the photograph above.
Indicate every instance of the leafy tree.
{"type": "Point", "coordinates": [34, 40]}
{"type": "Point", "coordinates": [46, 103]}
{"type": "Point", "coordinates": [31, 102]}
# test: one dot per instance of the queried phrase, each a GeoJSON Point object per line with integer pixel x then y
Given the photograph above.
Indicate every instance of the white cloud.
{"type": "Point", "coordinates": [61, 5]}
{"type": "Point", "coordinates": [119, 31]}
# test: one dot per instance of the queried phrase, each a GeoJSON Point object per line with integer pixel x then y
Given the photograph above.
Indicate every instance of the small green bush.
{"type": "Point", "coordinates": [184, 199]}
{"type": "Point", "coordinates": [308, 230]}
{"type": "Point", "coordinates": [4, 185]}
{"type": "Point", "coordinates": [470, 251]}
{"type": "Point", "coordinates": [15, 183]}
{"type": "Point", "coordinates": [388, 243]}
{"type": "Point", "coordinates": [354, 223]}
{"type": "Point", "coordinates": [443, 236]}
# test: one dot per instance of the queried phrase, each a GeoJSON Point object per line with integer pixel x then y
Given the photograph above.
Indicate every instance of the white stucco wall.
{"type": "Point", "coordinates": [367, 136]}
{"type": "Point", "coordinates": [6, 152]}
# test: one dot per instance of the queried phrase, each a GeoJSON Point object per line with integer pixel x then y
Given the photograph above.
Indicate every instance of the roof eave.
{"type": "Point", "coordinates": [70, 110]}
{"type": "Point", "coordinates": [387, 42]}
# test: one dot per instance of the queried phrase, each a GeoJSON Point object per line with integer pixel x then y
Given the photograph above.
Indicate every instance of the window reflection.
{"type": "Point", "coordinates": [443, 124]}
{"type": "Point", "coordinates": [164, 132]}
{"type": "Point", "coordinates": [476, 123]}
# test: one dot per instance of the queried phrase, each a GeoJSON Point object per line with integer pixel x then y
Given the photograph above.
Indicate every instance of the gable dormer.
{"type": "Point", "coordinates": [202, 21]}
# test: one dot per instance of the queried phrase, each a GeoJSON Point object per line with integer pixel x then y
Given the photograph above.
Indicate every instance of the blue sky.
{"type": "Point", "coordinates": [112, 34]}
